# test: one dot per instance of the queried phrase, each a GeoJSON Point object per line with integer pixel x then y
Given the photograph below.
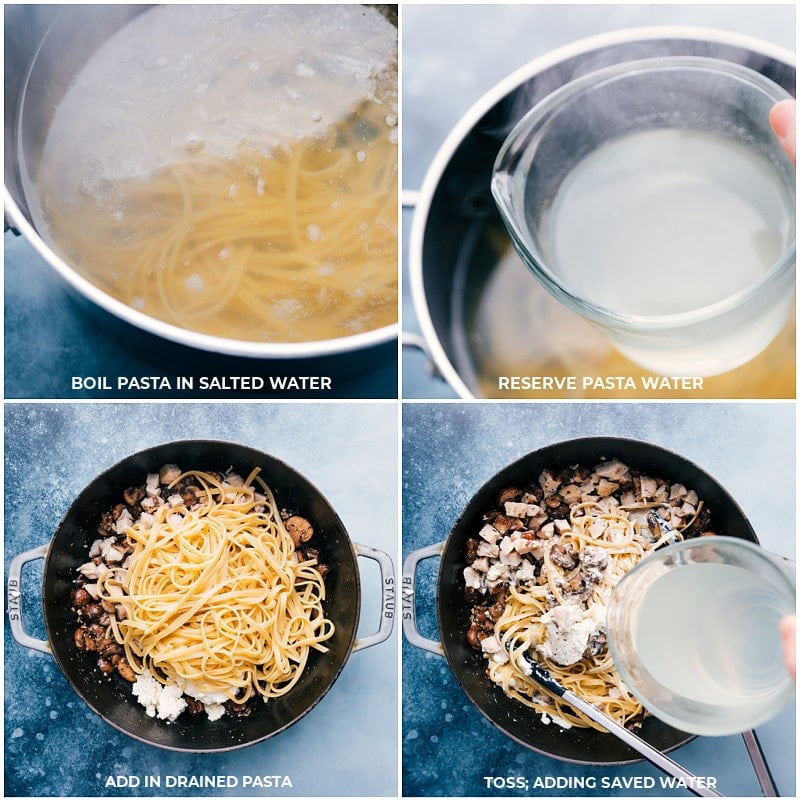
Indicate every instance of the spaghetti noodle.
{"type": "Point", "coordinates": [215, 598]}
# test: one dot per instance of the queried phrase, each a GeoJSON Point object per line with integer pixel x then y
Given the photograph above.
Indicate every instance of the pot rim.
{"type": "Point", "coordinates": [184, 336]}
{"type": "Point", "coordinates": [355, 600]}
{"type": "Point", "coordinates": [487, 101]}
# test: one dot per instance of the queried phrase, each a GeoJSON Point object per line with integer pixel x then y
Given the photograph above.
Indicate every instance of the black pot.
{"type": "Point", "coordinates": [111, 697]}
{"type": "Point", "coordinates": [577, 745]}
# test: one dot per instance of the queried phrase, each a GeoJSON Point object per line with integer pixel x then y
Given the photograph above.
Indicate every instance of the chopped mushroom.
{"type": "Point", "coordinates": [169, 473]}
{"type": "Point", "coordinates": [299, 528]}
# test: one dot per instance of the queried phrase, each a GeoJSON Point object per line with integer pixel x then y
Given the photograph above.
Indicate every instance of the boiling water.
{"type": "Point", "coordinates": [668, 221]}
{"type": "Point", "coordinates": [232, 169]}
{"type": "Point", "coordinates": [708, 634]}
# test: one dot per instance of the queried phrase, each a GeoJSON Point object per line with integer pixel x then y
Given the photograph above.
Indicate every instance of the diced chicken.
{"type": "Point", "coordinates": [526, 571]}
{"type": "Point", "coordinates": [523, 510]}
{"type": "Point", "coordinates": [511, 559]}
{"type": "Point", "coordinates": [549, 482]}
{"type": "Point", "coordinates": [152, 489]}
{"type": "Point", "coordinates": [89, 570]}
{"type": "Point", "coordinates": [489, 534]}
{"type": "Point", "coordinates": [506, 544]}
{"type": "Point", "coordinates": [570, 493]}
{"type": "Point", "coordinates": [691, 497]}
{"type": "Point", "coordinates": [661, 494]}
{"type": "Point", "coordinates": [488, 550]}
{"type": "Point", "coordinates": [561, 525]}
{"type": "Point", "coordinates": [233, 479]}
{"type": "Point", "coordinates": [496, 572]}
{"type": "Point", "coordinates": [647, 487]}
{"type": "Point", "coordinates": [676, 491]}
{"type": "Point", "coordinates": [606, 487]}
{"type": "Point", "coordinates": [608, 504]}
{"type": "Point", "coordinates": [547, 531]}
{"type": "Point", "coordinates": [533, 546]}
{"type": "Point", "coordinates": [175, 500]}
{"type": "Point", "coordinates": [472, 578]}
{"type": "Point", "coordinates": [613, 470]}
{"type": "Point", "coordinates": [597, 529]}
{"type": "Point", "coordinates": [480, 564]}
{"type": "Point", "coordinates": [114, 555]}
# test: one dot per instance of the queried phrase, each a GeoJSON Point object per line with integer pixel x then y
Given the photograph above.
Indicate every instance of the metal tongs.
{"type": "Point", "coordinates": [652, 754]}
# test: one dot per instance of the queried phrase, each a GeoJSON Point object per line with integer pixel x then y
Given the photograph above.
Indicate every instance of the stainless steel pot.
{"type": "Point", "coordinates": [456, 225]}
{"type": "Point", "coordinates": [112, 699]}
{"type": "Point", "coordinates": [45, 47]}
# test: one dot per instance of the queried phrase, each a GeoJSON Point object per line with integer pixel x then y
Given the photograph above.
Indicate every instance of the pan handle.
{"type": "Point", "coordinates": [14, 597]}
{"type": "Point", "coordinates": [387, 597]}
{"type": "Point", "coordinates": [409, 598]}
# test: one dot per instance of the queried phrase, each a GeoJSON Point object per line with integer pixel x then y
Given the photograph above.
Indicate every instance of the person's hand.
{"type": "Point", "coordinates": [787, 629]}
{"type": "Point", "coordinates": [782, 119]}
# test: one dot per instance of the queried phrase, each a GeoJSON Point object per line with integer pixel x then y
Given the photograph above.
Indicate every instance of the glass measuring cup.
{"type": "Point", "coordinates": [652, 198]}
{"type": "Point", "coordinates": [693, 631]}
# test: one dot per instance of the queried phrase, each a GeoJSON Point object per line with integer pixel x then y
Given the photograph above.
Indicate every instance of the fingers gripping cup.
{"type": "Point", "coordinates": [693, 631]}
{"type": "Point", "coordinates": [652, 198]}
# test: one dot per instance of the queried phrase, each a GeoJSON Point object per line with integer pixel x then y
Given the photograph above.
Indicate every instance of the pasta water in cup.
{"type": "Point", "coordinates": [652, 198]}
{"type": "Point", "coordinates": [693, 631]}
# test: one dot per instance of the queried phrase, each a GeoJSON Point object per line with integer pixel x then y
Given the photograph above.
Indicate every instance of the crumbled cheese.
{"type": "Point", "coordinates": [206, 698]}
{"type": "Point", "coordinates": [171, 702]}
{"type": "Point", "coordinates": [567, 634]}
{"type": "Point", "coordinates": [215, 711]}
{"type": "Point", "coordinates": [166, 702]}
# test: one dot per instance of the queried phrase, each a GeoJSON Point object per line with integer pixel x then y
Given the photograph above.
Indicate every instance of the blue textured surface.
{"type": "Point", "coordinates": [451, 450]}
{"type": "Point", "coordinates": [56, 746]}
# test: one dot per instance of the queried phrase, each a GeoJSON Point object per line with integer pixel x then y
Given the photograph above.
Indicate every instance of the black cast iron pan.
{"type": "Point", "coordinates": [111, 697]}
{"type": "Point", "coordinates": [577, 745]}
